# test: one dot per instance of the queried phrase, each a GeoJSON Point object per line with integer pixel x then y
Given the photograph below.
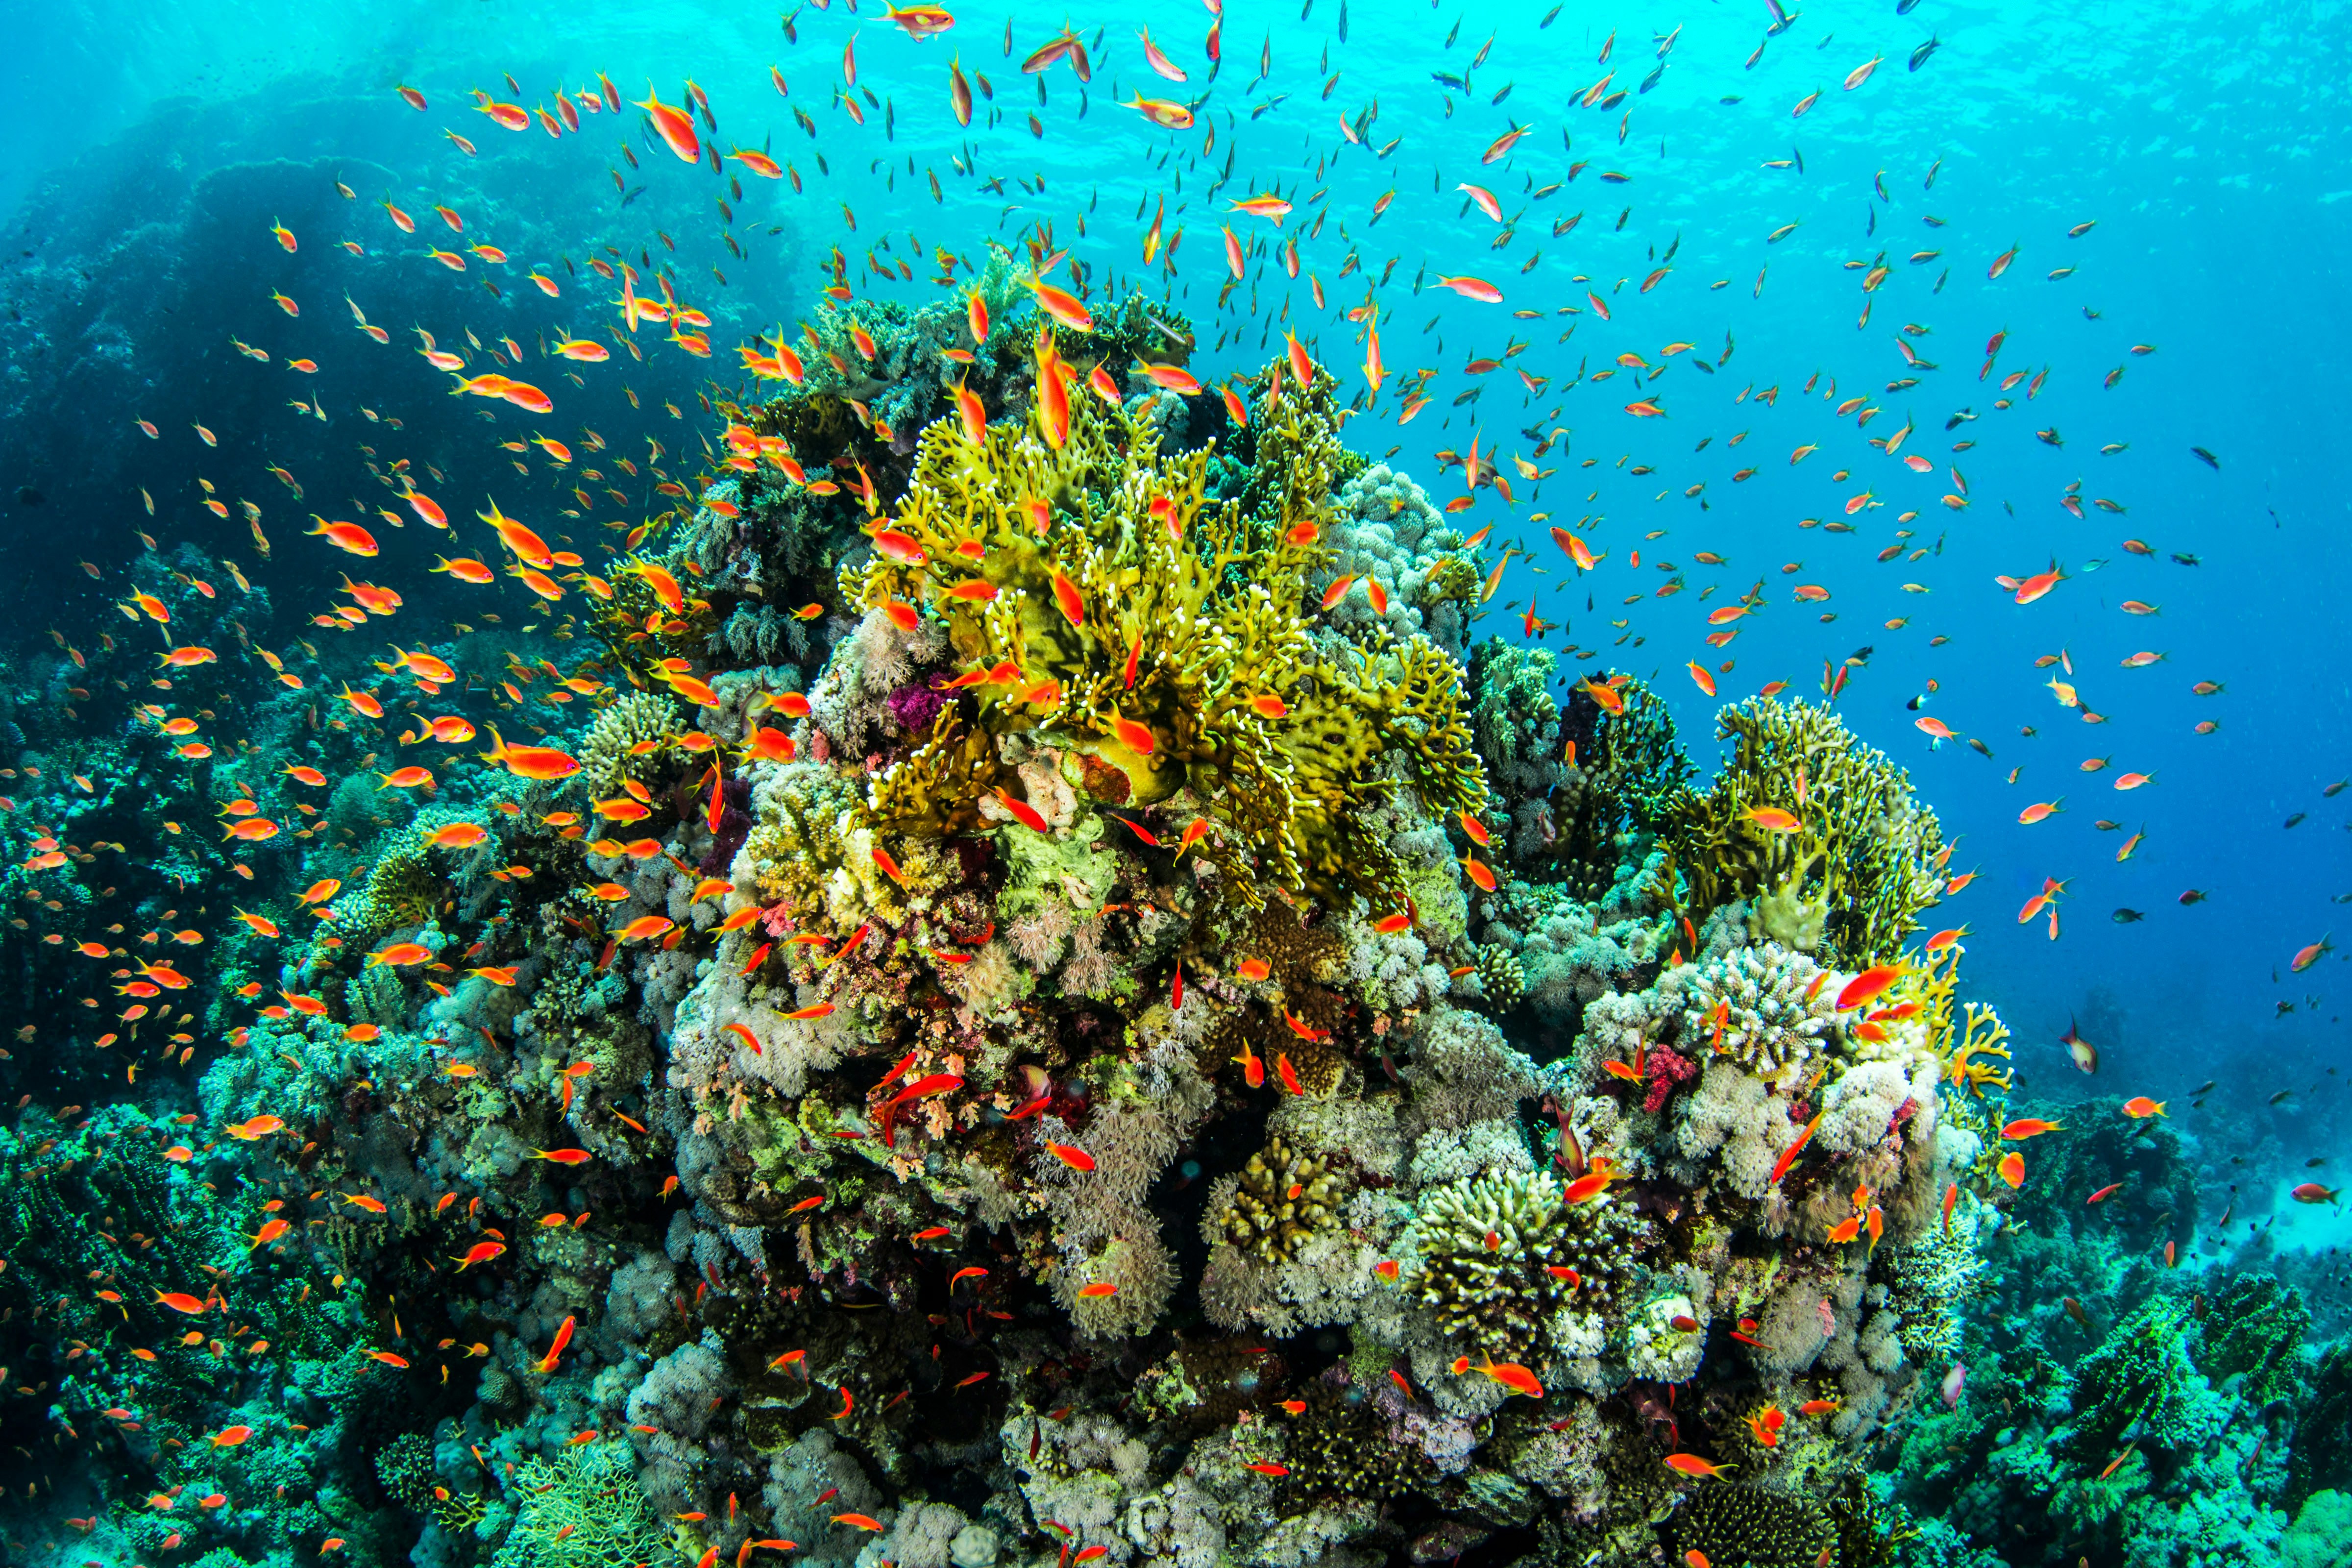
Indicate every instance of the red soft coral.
{"type": "Point", "coordinates": [1667, 1072]}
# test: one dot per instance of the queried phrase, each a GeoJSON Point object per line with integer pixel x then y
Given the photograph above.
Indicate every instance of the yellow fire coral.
{"type": "Point", "coordinates": [1092, 589]}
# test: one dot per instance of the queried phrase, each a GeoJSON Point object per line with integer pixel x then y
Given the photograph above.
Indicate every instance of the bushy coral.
{"type": "Point", "coordinates": [1066, 1085]}
{"type": "Point", "coordinates": [627, 740]}
{"type": "Point", "coordinates": [1090, 589]}
{"type": "Point", "coordinates": [584, 1509]}
{"type": "Point", "coordinates": [1500, 1256]}
{"type": "Point", "coordinates": [1861, 863]}
{"type": "Point", "coordinates": [1756, 1527]}
{"type": "Point", "coordinates": [1281, 1198]}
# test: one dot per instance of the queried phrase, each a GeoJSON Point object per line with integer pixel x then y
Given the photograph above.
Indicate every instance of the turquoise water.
{"type": "Point", "coordinates": [1808, 332]}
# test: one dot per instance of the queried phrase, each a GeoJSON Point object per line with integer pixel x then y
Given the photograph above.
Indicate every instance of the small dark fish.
{"type": "Point", "coordinates": [2187, 559]}
{"type": "Point", "coordinates": [2127, 917]}
{"type": "Point", "coordinates": [1920, 55]}
{"type": "Point", "coordinates": [2284, 1009]}
{"type": "Point", "coordinates": [2211, 461]}
{"type": "Point", "coordinates": [2332, 791]}
{"type": "Point", "coordinates": [1979, 747]}
{"type": "Point", "coordinates": [2193, 896]}
{"type": "Point", "coordinates": [2284, 1094]}
{"type": "Point", "coordinates": [1547, 19]}
{"type": "Point", "coordinates": [1733, 99]}
{"type": "Point", "coordinates": [1959, 419]}
{"type": "Point", "coordinates": [2315, 1164]}
{"type": "Point", "coordinates": [1650, 80]}
{"type": "Point", "coordinates": [1455, 82]}
{"type": "Point", "coordinates": [1905, 7]}
{"type": "Point", "coordinates": [2089, 314]}
{"type": "Point", "coordinates": [2049, 437]}
{"type": "Point", "coordinates": [632, 195]}
{"type": "Point", "coordinates": [2298, 819]}
{"type": "Point", "coordinates": [2203, 1088]}
{"type": "Point", "coordinates": [1343, 21]}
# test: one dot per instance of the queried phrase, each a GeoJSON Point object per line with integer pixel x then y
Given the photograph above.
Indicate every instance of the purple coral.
{"type": "Point", "coordinates": [914, 706]}
{"type": "Point", "coordinates": [734, 825]}
{"type": "Point", "coordinates": [1667, 1073]}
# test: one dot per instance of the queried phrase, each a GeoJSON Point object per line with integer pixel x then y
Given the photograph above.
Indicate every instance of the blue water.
{"type": "Point", "coordinates": [2210, 146]}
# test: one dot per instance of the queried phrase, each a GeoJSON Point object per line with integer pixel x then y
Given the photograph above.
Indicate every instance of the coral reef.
{"type": "Point", "coordinates": [1064, 1006]}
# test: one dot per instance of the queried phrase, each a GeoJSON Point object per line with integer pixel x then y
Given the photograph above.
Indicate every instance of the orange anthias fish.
{"type": "Point", "coordinates": [531, 762]}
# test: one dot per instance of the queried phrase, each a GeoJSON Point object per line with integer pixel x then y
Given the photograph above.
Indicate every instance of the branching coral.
{"type": "Point", "coordinates": [1931, 1279]}
{"type": "Point", "coordinates": [1756, 1528]}
{"type": "Point", "coordinates": [584, 1511]}
{"type": "Point", "coordinates": [1089, 589]}
{"type": "Point", "coordinates": [626, 741]}
{"type": "Point", "coordinates": [1979, 1036]}
{"type": "Point", "coordinates": [1282, 1197]}
{"type": "Point", "coordinates": [1497, 1253]}
{"type": "Point", "coordinates": [1762, 1006]}
{"type": "Point", "coordinates": [1854, 874]}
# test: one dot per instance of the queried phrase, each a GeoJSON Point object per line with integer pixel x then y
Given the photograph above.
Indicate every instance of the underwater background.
{"type": "Point", "coordinates": [1591, 815]}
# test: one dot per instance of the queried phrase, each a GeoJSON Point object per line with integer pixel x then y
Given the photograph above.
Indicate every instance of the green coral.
{"type": "Point", "coordinates": [1734, 1525]}
{"type": "Point", "coordinates": [2255, 1328]}
{"type": "Point", "coordinates": [1860, 867]}
{"type": "Point", "coordinates": [1488, 1247]}
{"type": "Point", "coordinates": [1930, 1282]}
{"type": "Point", "coordinates": [1284, 1197]}
{"type": "Point", "coordinates": [812, 850]}
{"type": "Point", "coordinates": [2140, 1385]}
{"type": "Point", "coordinates": [591, 1490]}
{"type": "Point", "coordinates": [402, 890]}
{"type": "Point", "coordinates": [1623, 773]}
{"type": "Point", "coordinates": [2321, 1455]}
{"type": "Point", "coordinates": [608, 755]}
{"type": "Point", "coordinates": [1282, 739]}
{"type": "Point", "coordinates": [637, 625]}
{"type": "Point", "coordinates": [1502, 979]}
{"type": "Point", "coordinates": [1341, 1444]}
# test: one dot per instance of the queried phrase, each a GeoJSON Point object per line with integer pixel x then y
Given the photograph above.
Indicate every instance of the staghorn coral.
{"type": "Point", "coordinates": [1852, 880]}
{"type": "Point", "coordinates": [584, 1511]}
{"type": "Point", "coordinates": [1281, 741]}
{"type": "Point", "coordinates": [1488, 1250]}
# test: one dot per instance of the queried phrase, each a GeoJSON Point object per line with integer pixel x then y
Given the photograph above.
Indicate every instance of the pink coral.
{"type": "Point", "coordinates": [1667, 1073]}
